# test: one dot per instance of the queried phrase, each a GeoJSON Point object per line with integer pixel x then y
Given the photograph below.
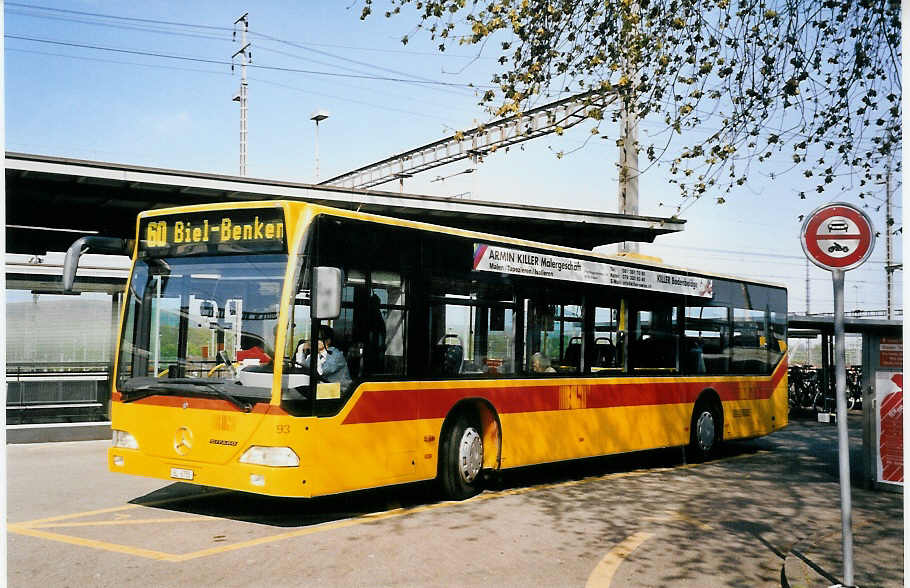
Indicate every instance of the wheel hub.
{"type": "Point", "coordinates": [470, 455]}
{"type": "Point", "coordinates": [704, 431]}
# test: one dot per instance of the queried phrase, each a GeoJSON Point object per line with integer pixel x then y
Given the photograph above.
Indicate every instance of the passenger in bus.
{"type": "Point", "coordinates": [696, 355]}
{"type": "Point", "coordinates": [330, 363]}
{"type": "Point", "coordinates": [540, 364]}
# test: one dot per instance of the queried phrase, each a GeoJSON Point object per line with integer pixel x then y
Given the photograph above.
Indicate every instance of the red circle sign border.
{"type": "Point", "coordinates": [822, 259]}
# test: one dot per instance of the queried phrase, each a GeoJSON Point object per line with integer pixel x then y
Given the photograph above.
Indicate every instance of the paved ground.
{"type": "Point", "coordinates": [765, 513]}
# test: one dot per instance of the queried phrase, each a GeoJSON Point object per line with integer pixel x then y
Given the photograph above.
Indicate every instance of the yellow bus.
{"type": "Point", "coordinates": [449, 353]}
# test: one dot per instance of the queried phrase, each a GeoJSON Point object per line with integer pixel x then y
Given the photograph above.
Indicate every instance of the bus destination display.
{"type": "Point", "coordinates": [254, 230]}
{"type": "Point", "coordinates": [515, 261]}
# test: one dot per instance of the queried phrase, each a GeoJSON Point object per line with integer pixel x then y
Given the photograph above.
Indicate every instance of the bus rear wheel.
{"type": "Point", "coordinates": [705, 430]}
{"type": "Point", "coordinates": [461, 459]}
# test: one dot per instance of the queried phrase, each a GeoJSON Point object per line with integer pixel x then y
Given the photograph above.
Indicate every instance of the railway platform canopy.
{"type": "Point", "coordinates": [810, 326]}
{"type": "Point", "coordinates": [51, 201]}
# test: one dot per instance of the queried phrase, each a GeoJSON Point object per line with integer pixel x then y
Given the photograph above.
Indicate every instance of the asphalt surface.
{"type": "Point", "coordinates": [764, 513]}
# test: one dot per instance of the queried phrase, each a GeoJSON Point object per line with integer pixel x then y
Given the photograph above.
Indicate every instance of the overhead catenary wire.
{"type": "Point", "coordinates": [220, 71]}
{"type": "Point", "coordinates": [268, 38]}
{"type": "Point", "coordinates": [459, 91]}
{"type": "Point", "coordinates": [123, 18]}
{"type": "Point", "coordinates": [228, 63]}
{"type": "Point", "coordinates": [223, 72]}
{"type": "Point", "coordinates": [119, 26]}
{"type": "Point", "coordinates": [351, 100]}
{"type": "Point", "coordinates": [338, 57]}
{"type": "Point", "coordinates": [770, 254]}
{"type": "Point", "coordinates": [39, 8]}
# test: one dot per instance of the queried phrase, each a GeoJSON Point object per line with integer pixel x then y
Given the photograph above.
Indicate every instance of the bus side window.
{"type": "Point", "coordinates": [750, 342]}
{"type": "Point", "coordinates": [373, 322]}
{"type": "Point", "coordinates": [608, 345]}
{"type": "Point", "coordinates": [555, 332]}
{"type": "Point", "coordinates": [386, 324]}
{"type": "Point", "coordinates": [706, 346]}
{"type": "Point", "coordinates": [655, 338]}
{"type": "Point", "coordinates": [472, 328]}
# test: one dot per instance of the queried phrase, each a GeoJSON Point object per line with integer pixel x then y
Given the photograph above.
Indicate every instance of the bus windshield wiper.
{"type": "Point", "coordinates": [156, 386]}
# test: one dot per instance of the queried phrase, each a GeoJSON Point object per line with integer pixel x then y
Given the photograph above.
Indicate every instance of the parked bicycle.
{"type": "Point", "coordinates": [854, 387]}
{"type": "Point", "coordinates": [804, 389]}
{"type": "Point", "coordinates": [853, 391]}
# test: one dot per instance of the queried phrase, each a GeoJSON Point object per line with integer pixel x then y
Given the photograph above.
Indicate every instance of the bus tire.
{"type": "Point", "coordinates": [705, 430]}
{"type": "Point", "coordinates": [461, 459]}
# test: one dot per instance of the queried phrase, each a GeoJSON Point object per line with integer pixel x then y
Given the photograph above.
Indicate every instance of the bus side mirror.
{"type": "Point", "coordinates": [327, 285]}
{"type": "Point", "coordinates": [93, 244]}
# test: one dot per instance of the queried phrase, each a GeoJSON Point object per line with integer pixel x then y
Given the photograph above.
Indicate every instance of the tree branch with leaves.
{"type": "Point", "coordinates": [817, 78]}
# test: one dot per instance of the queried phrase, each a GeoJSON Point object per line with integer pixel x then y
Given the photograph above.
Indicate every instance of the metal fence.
{"type": "Point", "coordinates": [880, 314]}
{"type": "Point", "coordinates": [57, 393]}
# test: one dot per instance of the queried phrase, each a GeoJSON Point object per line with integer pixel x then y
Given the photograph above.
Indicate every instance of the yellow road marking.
{"type": "Point", "coordinates": [137, 551]}
{"type": "Point", "coordinates": [26, 527]}
{"type": "Point", "coordinates": [603, 573]}
{"type": "Point", "coordinates": [76, 515]}
{"type": "Point", "coordinates": [299, 533]}
{"type": "Point", "coordinates": [122, 507]}
{"type": "Point", "coordinates": [186, 519]}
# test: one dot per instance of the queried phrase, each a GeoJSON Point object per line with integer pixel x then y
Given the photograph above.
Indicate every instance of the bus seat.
{"type": "Point", "coordinates": [447, 356]}
{"type": "Point", "coordinates": [572, 357]}
{"type": "Point", "coordinates": [604, 353]}
{"type": "Point", "coordinates": [447, 359]}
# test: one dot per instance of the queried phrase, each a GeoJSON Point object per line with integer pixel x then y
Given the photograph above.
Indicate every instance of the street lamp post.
{"type": "Point", "coordinates": [317, 116]}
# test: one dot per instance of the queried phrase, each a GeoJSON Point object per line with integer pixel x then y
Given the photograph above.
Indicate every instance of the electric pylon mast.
{"type": "Point", "coordinates": [246, 57]}
{"type": "Point", "coordinates": [628, 128]}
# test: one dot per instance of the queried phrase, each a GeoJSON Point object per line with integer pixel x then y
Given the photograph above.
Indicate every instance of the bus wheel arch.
{"type": "Point", "coordinates": [469, 441]}
{"type": "Point", "coordinates": [706, 430]}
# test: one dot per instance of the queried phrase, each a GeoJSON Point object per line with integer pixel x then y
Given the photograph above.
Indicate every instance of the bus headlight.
{"type": "Point", "coordinates": [281, 457]}
{"type": "Point", "coordinates": [124, 439]}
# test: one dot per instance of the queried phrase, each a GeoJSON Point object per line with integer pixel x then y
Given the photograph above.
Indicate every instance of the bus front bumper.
{"type": "Point", "coordinates": [273, 481]}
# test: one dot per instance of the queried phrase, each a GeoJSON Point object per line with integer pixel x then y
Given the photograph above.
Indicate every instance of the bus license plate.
{"type": "Point", "coordinates": [181, 474]}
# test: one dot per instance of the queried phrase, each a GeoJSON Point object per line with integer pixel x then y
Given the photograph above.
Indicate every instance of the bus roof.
{"type": "Point", "coordinates": [644, 261]}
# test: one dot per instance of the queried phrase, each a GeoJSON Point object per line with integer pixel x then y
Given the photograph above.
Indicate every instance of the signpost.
{"type": "Point", "coordinates": [839, 237]}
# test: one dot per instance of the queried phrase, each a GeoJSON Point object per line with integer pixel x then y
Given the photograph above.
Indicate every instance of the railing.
{"type": "Point", "coordinates": [898, 313]}
{"type": "Point", "coordinates": [57, 393]}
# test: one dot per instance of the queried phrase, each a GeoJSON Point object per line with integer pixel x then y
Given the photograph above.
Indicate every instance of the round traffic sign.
{"type": "Point", "coordinates": [837, 236]}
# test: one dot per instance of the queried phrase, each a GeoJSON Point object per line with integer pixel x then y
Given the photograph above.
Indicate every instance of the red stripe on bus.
{"type": "Point", "coordinates": [375, 406]}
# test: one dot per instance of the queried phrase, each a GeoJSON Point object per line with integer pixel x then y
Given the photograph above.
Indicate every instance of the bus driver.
{"type": "Point", "coordinates": [330, 363]}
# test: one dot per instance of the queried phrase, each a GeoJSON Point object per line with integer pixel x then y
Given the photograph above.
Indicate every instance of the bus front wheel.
{"type": "Point", "coordinates": [705, 429]}
{"type": "Point", "coordinates": [461, 460]}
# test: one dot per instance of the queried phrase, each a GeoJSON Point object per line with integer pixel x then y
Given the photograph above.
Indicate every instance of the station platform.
{"type": "Point", "coordinates": [46, 433]}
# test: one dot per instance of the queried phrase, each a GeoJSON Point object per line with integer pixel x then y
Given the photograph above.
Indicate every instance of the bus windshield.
{"type": "Point", "coordinates": [201, 325]}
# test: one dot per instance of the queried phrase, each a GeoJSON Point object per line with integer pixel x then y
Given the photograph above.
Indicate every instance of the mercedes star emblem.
{"type": "Point", "coordinates": [183, 441]}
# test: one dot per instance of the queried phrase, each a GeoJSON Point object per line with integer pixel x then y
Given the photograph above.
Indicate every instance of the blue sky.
{"type": "Point", "coordinates": [63, 100]}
